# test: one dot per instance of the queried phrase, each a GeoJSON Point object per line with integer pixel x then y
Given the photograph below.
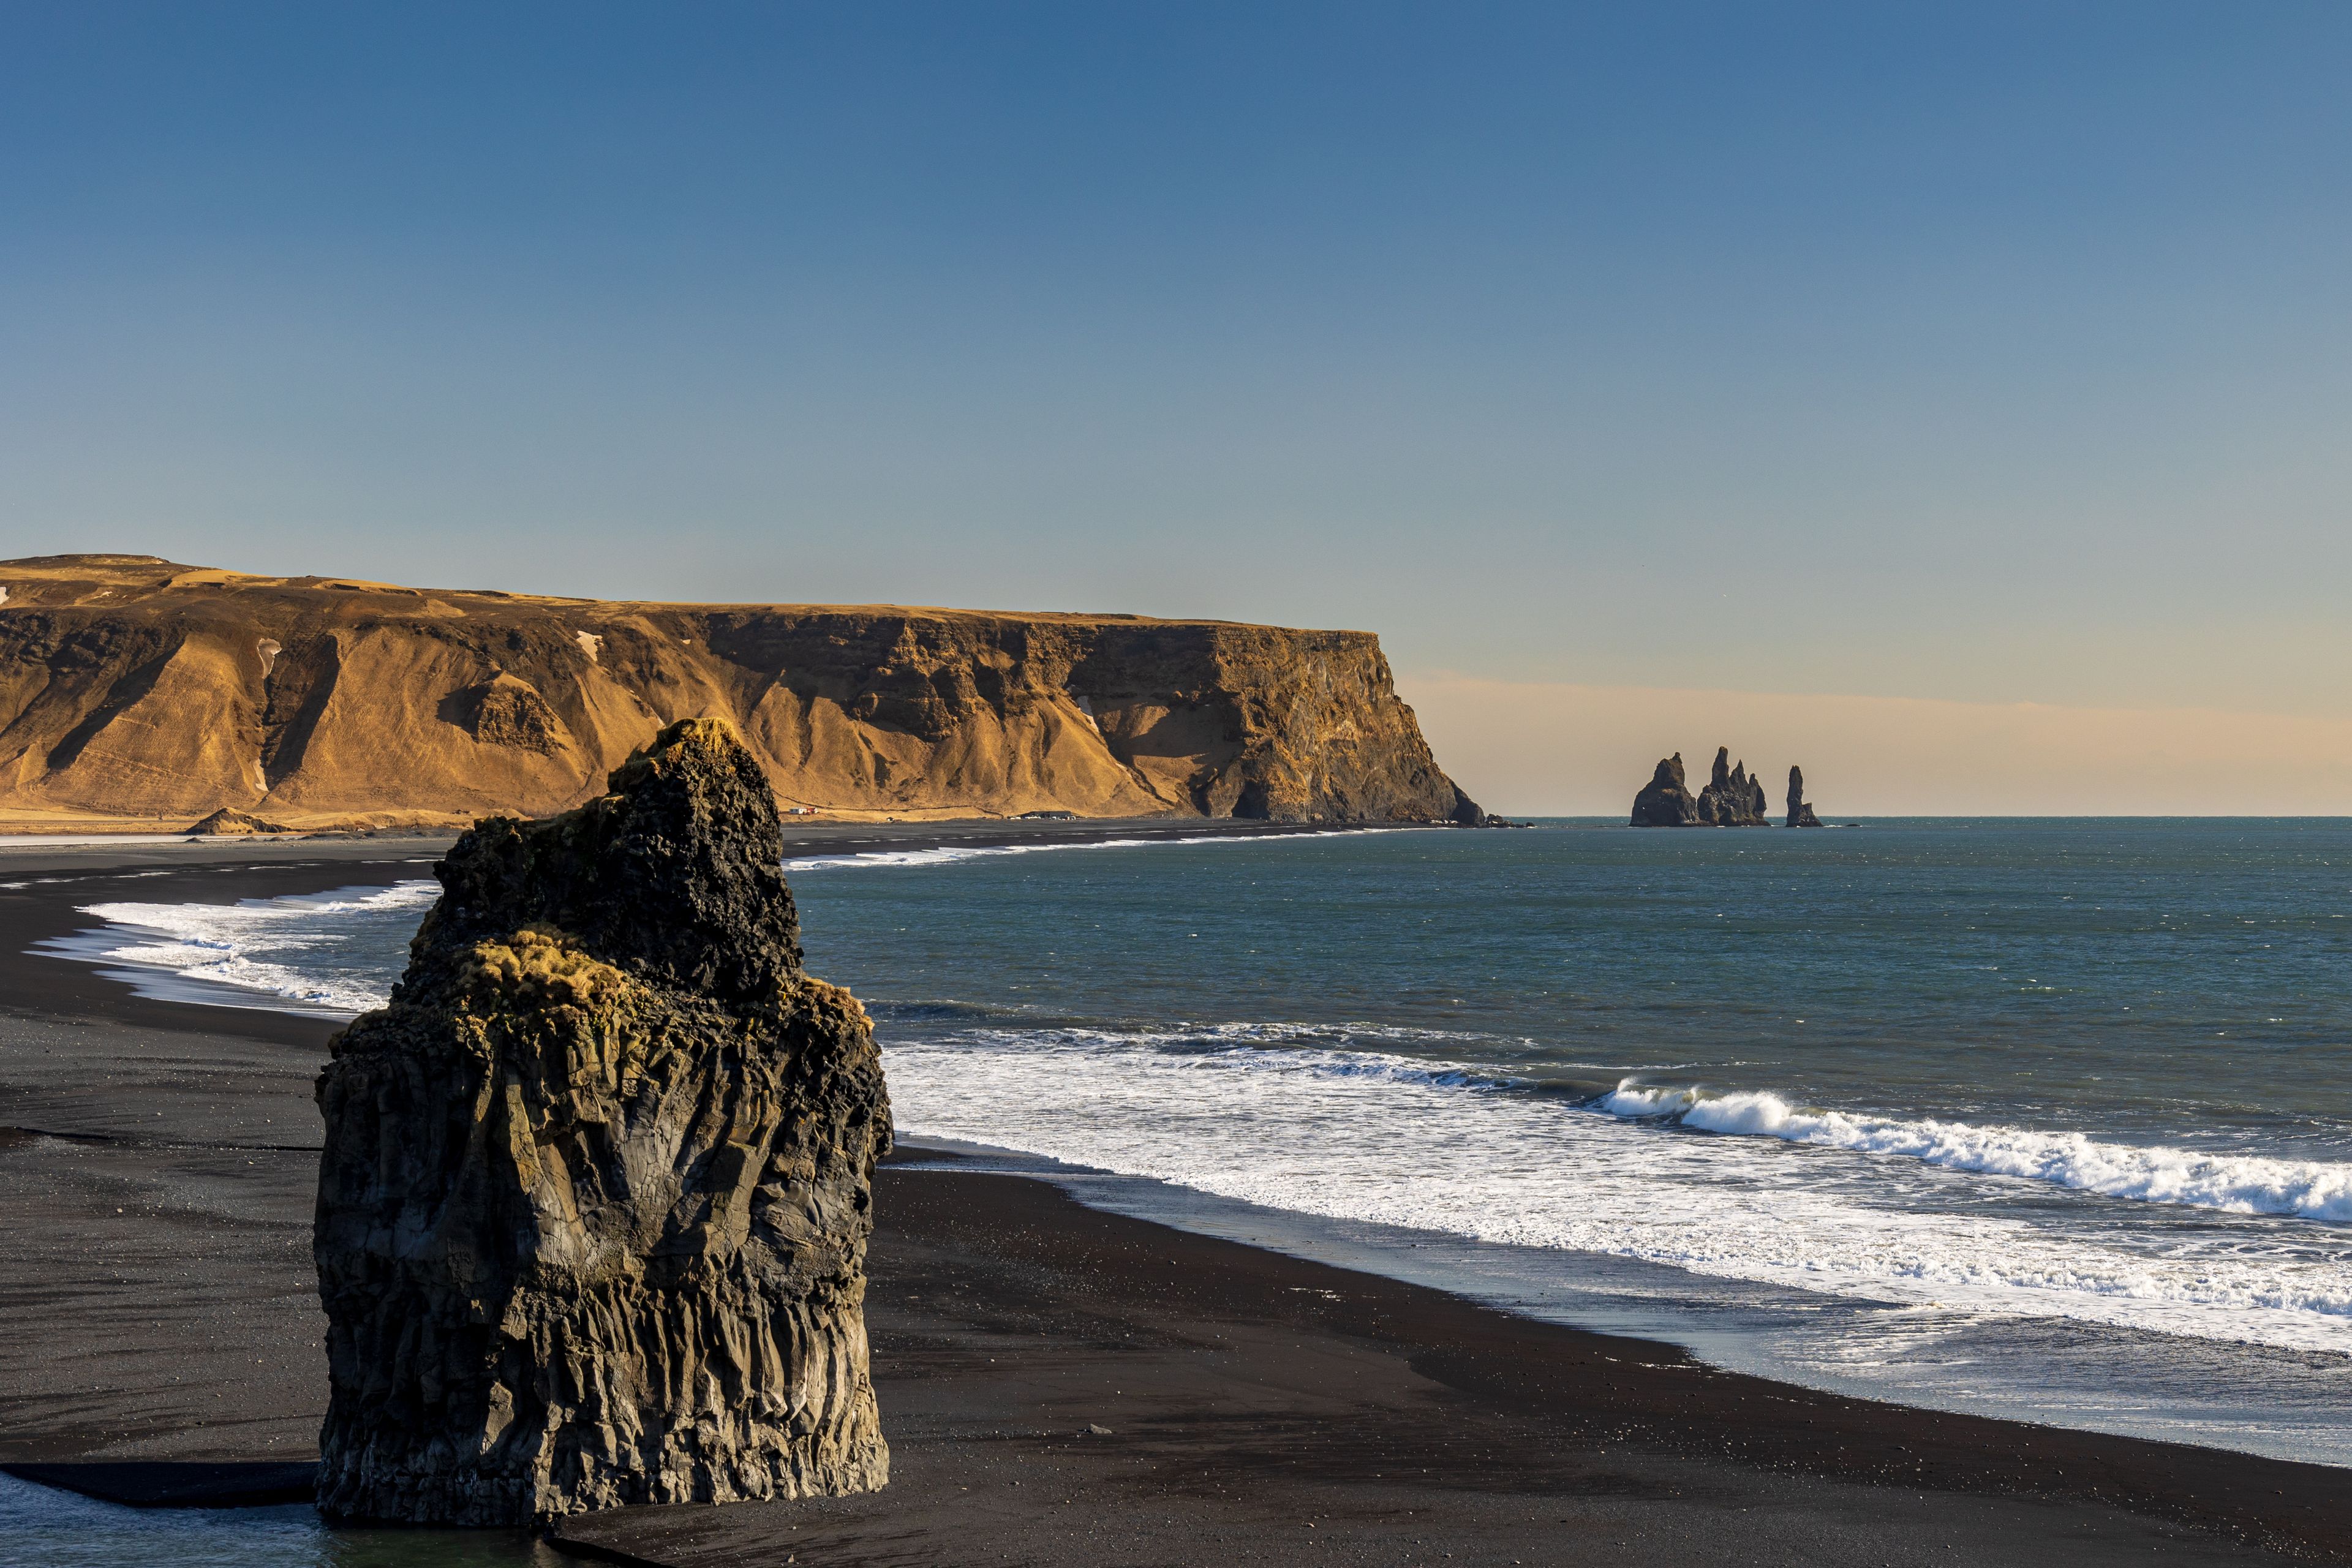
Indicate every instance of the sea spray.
{"type": "Point", "coordinates": [1379, 1138]}
{"type": "Point", "coordinates": [2235, 1184]}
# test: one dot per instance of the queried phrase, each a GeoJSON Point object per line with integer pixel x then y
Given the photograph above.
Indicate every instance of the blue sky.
{"type": "Point", "coordinates": [1984, 353]}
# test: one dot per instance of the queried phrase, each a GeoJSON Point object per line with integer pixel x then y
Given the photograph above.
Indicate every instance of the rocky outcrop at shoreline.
{"type": "Point", "coordinates": [225, 822]}
{"type": "Point", "coordinates": [134, 689]}
{"type": "Point", "coordinates": [1731, 799]}
{"type": "Point", "coordinates": [596, 1189]}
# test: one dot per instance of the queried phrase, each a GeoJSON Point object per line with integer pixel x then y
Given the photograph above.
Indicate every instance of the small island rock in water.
{"type": "Point", "coordinates": [596, 1189]}
{"type": "Point", "coordinates": [1666, 801]}
{"type": "Point", "coordinates": [1800, 814]}
{"type": "Point", "coordinates": [1731, 799]}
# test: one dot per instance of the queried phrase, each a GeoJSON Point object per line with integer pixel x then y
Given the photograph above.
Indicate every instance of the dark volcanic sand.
{"type": "Point", "coordinates": [156, 1289]}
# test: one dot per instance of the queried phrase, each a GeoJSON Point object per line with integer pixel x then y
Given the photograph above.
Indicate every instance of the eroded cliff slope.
{"type": "Point", "coordinates": [137, 692]}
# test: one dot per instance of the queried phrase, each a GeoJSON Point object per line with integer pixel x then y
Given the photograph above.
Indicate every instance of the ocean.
{"type": "Point", "coordinates": [2041, 1119]}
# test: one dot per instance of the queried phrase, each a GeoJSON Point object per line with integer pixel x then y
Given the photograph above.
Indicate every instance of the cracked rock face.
{"type": "Point", "coordinates": [597, 1185]}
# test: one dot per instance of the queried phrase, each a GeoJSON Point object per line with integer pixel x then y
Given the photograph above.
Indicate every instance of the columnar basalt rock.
{"type": "Point", "coordinates": [1666, 801]}
{"type": "Point", "coordinates": [597, 1184]}
{"type": "Point", "coordinates": [1800, 814]}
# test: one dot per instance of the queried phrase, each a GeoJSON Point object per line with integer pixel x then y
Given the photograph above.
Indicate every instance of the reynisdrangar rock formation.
{"type": "Point", "coordinates": [1731, 799]}
{"type": "Point", "coordinates": [1666, 801]}
{"type": "Point", "coordinates": [597, 1184]}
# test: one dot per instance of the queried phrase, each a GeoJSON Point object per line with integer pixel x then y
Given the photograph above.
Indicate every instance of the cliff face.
{"type": "Point", "coordinates": [597, 1184]}
{"type": "Point", "coordinates": [133, 691]}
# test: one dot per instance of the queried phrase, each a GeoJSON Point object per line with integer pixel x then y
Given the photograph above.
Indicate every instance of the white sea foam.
{"type": "Point", "coordinates": [334, 953]}
{"type": "Point", "coordinates": [1395, 1139]}
{"type": "Point", "coordinates": [1417, 1128]}
{"type": "Point", "coordinates": [950, 854]}
{"type": "Point", "coordinates": [2237, 1183]}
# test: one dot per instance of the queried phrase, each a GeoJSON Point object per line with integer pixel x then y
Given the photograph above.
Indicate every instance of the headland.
{"type": "Point", "coordinates": [141, 695]}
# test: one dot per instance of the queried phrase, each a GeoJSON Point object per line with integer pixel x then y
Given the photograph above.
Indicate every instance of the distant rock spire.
{"type": "Point", "coordinates": [1800, 814]}
{"type": "Point", "coordinates": [1731, 799]}
{"type": "Point", "coordinates": [1666, 801]}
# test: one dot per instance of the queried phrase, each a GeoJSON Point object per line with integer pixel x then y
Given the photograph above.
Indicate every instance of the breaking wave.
{"type": "Point", "coordinates": [950, 854]}
{"type": "Point", "coordinates": [1433, 1129]}
{"type": "Point", "coordinates": [2236, 1183]}
{"type": "Point", "coordinates": [1282, 1116]}
{"type": "Point", "coordinates": [334, 953]}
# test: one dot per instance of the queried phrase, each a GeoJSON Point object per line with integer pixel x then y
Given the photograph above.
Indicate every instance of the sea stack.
{"type": "Point", "coordinates": [1666, 801]}
{"type": "Point", "coordinates": [1800, 814]}
{"type": "Point", "coordinates": [596, 1189]}
{"type": "Point", "coordinates": [1731, 799]}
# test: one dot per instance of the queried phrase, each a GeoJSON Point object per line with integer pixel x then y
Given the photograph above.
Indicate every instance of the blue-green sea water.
{"type": "Point", "coordinates": [2041, 1118]}
{"type": "Point", "coordinates": [43, 1528]}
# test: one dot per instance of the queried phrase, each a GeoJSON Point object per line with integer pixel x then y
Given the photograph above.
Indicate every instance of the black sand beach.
{"type": "Point", "coordinates": [156, 1166]}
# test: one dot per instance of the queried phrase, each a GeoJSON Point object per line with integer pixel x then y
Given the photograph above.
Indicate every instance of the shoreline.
{"type": "Point", "coordinates": [1259, 1389]}
{"type": "Point", "coordinates": [1471, 1415]}
{"type": "Point", "coordinates": [180, 869]}
{"type": "Point", "coordinates": [810, 829]}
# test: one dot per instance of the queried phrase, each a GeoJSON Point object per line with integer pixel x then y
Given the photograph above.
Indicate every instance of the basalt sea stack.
{"type": "Point", "coordinates": [1666, 801]}
{"type": "Point", "coordinates": [597, 1184]}
{"type": "Point", "coordinates": [1800, 814]}
{"type": "Point", "coordinates": [1731, 799]}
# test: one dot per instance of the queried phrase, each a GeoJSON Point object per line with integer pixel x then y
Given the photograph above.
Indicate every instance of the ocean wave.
{"type": "Point", "coordinates": [334, 953]}
{"type": "Point", "coordinates": [950, 854]}
{"type": "Point", "coordinates": [1437, 1130]}
{"type": "Point", "coordinates": [1273, 1050]}
{"type": "Point", "coordinates": [2235, 1184]}
{"type": "Point", "coordinates": [1396, 1140]}
{"type": "Point", "coordinates": [44, 1525]}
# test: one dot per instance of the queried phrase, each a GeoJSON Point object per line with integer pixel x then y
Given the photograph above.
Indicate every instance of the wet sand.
{"type": "Point", "coordinates": [161, 1344]}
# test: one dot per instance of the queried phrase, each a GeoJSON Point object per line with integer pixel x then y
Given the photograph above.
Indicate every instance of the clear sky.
{"type": "Point", "coordinates": [1971, 355]}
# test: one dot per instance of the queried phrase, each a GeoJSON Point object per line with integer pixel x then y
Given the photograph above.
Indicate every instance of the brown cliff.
{"type": "Point", "coordinates": [134, 692]}
{"type": "Point", "coordinates": [597, 1184]}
